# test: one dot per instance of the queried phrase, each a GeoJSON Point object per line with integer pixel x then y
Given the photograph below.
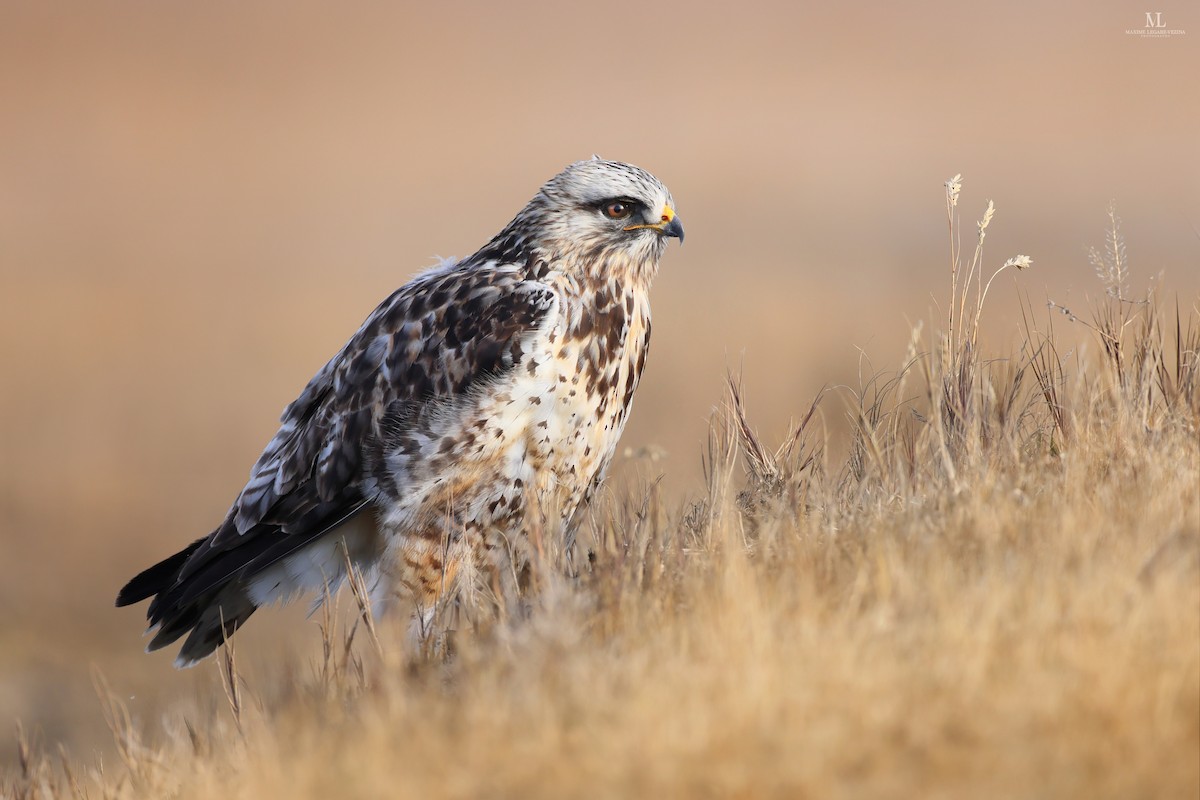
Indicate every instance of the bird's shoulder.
{"type": "Point", "coordinates": [433, 336]}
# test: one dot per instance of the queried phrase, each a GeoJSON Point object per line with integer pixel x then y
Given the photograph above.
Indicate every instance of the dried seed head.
{"type": "Point", "coordinates": [953, 187]}
{"type": "Point", "coordinates": [1020, 262]}
{"type": "Point", "coordinates": [987, 218]}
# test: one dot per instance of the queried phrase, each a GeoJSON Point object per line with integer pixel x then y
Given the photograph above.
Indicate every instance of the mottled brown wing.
{"type": "Point", "coordinates": [429, 342]}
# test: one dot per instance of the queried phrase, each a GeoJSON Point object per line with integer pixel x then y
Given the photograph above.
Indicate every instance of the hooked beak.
{"type": "Point", "coordinates": [674, 228]}
{"type": "Point", "coordinates": [669, 225]}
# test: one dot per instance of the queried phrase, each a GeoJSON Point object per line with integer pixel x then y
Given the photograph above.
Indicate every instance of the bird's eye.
{"type": "Point", "coordinates": [618, 209]}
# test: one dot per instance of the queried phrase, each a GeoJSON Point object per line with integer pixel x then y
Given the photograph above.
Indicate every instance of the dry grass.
{"type": "Point", "coordinates": [995, 592]}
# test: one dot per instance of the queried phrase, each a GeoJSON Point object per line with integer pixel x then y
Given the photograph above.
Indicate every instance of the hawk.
{"type": "Point", "coordinates": [484, 396]}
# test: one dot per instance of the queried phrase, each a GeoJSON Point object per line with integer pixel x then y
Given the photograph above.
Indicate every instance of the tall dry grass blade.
{"type": "Point", "coordinates": [24, 753]}
{"type": "Point", "coordinates": [1046, 365]}
{"type": "Point", "coordinates": [362, 597]}
{"type": "Point", "coordinates": [231, 680]}
{"type": "Point", "coordinates": [137, 758]}
{"type": "Point", "coordinates": [953, 187]}
{"type": "Point", "coordinates": [77, 789]}
{"type": "Point", "coordinates": [759, 461]}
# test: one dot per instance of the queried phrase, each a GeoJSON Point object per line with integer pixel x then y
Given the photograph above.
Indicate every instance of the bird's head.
{"type": "Point", "coordinates": [600, 214]}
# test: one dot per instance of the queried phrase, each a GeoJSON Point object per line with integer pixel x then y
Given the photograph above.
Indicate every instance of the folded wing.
{"type": "Point", "coordinates": [429, 342]}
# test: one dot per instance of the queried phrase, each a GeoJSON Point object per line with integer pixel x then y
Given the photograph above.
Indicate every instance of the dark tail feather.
{"type": "Point", "coordinates": [162, 575]}
{"type": "Point", "coordinates": [204, 590]}
{"type": "Point", "coordinates": [216, 625]}
{"type": "Point", "coordinates": [210, 616]}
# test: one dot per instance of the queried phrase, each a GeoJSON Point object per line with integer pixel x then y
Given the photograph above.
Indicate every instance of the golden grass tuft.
{"type": "Point", "coordinates": [994, 592]}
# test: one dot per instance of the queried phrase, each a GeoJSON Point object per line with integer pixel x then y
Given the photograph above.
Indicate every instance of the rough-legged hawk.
{"type": "Point", "coordinates": [484, 396]}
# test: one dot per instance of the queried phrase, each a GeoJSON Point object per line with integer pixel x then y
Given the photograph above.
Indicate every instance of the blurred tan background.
{"type": "Point", "coordinates": [199, 202]}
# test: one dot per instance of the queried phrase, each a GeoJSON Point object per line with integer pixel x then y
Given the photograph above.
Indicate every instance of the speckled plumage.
{"type": "Point", "coordinates": [484, 396]}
